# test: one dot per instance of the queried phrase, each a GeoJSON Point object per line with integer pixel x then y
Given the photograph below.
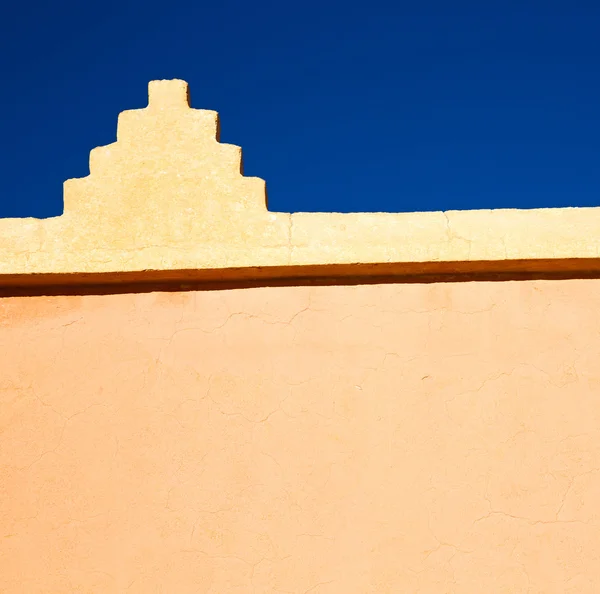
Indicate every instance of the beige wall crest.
{"type": "Point", "coordinates": [167, 200]}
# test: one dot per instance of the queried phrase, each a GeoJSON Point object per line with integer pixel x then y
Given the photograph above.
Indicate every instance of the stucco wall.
{"type": "Point", "coordinates": [431, 438]}
{"type": "Point", "coordinates": [385, 438]}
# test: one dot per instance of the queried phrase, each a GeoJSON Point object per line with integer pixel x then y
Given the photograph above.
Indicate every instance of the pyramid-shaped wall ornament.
{"type": "Point", "coordinates": [165, 195]}
{"type": "Point", "coordinates": [167, 198]}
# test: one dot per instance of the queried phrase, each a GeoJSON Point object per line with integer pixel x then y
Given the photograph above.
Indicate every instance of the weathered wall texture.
{"type": "Point", "coordinates": [369, 439]}
{"type": "Point", "coordinates": [378, 438]}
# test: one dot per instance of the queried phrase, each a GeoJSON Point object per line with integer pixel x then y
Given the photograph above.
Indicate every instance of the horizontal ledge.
{"type": "Point", "coordinates": [324, 274]}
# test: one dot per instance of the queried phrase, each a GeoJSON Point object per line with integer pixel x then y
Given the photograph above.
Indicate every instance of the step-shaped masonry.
{"type": "Point", "coordinates": [168, 197]}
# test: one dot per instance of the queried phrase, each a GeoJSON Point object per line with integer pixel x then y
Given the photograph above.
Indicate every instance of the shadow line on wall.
{"type": "Point", "coordinates": [148, 281]}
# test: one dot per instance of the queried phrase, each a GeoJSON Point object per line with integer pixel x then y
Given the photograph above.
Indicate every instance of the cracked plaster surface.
{"type": "Point", "coordinates": [382, 438]}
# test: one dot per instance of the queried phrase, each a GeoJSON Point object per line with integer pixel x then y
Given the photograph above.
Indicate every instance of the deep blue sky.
{"type": "Point", "coordinates": [342, 106]}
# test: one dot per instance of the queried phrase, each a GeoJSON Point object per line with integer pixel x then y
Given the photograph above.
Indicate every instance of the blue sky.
{"type": "Point", "coordinates": [340, 106]}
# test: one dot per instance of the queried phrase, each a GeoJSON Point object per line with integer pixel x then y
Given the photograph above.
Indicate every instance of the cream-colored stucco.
{"type": "Point", "coordinates": [168, 196]}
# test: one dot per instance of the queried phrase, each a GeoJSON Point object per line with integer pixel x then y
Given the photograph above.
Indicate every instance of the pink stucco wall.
{"type": "Point", "coordinates": [439, 438]}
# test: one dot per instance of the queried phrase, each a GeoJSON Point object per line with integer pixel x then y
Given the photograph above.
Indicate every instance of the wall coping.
{"type": "Point", "coordinates": [168, 202]}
